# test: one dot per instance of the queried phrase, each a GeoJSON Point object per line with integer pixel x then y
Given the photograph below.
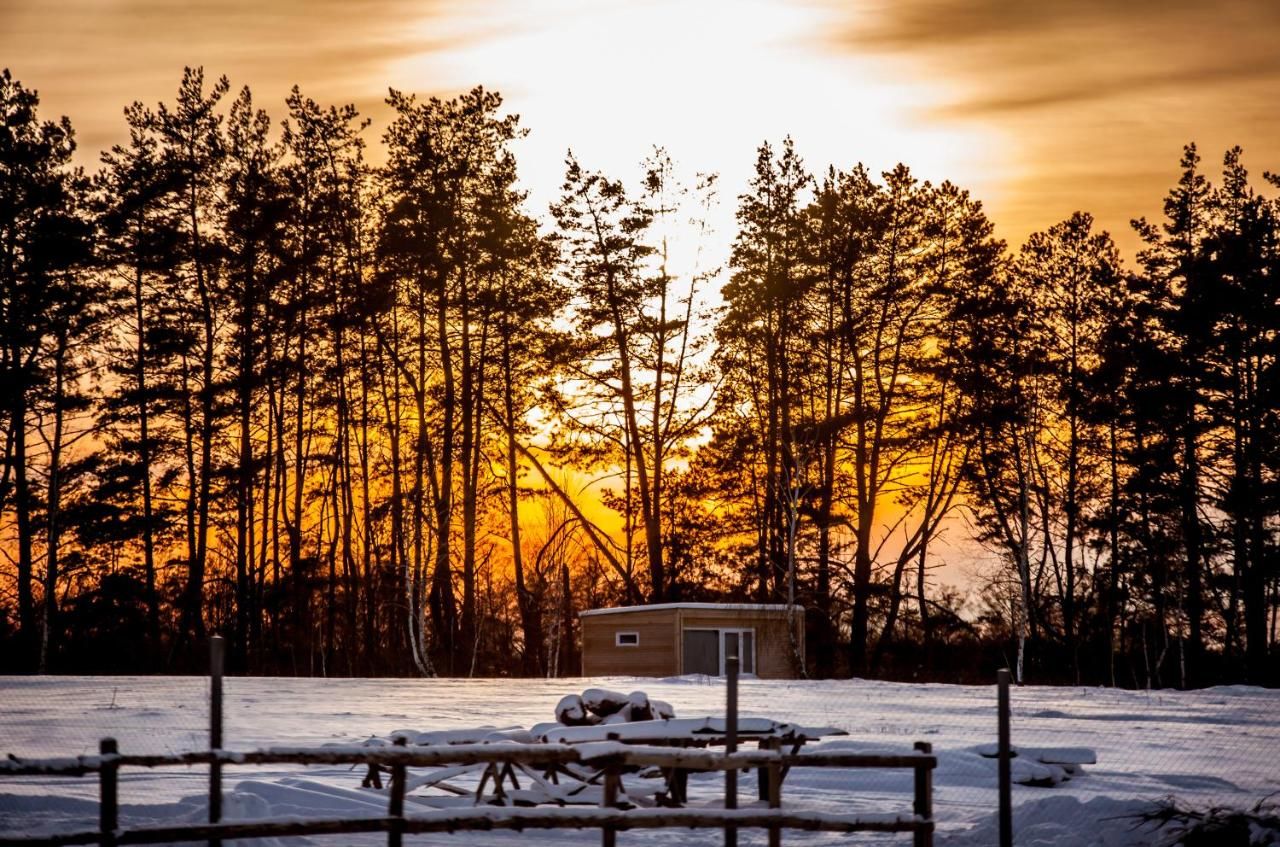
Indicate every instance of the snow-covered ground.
{"type": "Point", "coordinates": [1217, 746]}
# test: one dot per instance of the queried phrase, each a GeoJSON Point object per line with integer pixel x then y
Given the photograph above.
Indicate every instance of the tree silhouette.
{"type": "Point", "coordinates": [394, 420]}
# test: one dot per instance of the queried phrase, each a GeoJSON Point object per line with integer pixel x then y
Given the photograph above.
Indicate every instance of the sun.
{"type": "Point", "coordinates": [708, 81]}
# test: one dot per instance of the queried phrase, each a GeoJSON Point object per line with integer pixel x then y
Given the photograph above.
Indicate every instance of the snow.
{"type": "Point", "coordinates": [1218, 746]}
{"type": "Point", "coordinates": [1048, 755]}
{"type": "Point", "coordinates": [695, 607]}
{"type": "Point", "coordinates": [571, 710]}
{"type": "Point", "coordinates": [602, 701]}
{"type": "Point", "coordinates": [679, 729]}
{"type": "Point", "coordinates": [470, 735]}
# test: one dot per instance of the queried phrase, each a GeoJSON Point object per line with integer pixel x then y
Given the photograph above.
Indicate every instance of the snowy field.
{"type": "Point", "coordinates": [1219, 746]}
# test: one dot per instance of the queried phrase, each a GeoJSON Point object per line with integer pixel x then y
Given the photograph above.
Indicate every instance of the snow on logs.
{"type": "Point", "coordinates": [602, 706]}
{"type": "Point", "coordinates": [1043, 766]}
{"type": "Point", "coordinates": [599, 714]}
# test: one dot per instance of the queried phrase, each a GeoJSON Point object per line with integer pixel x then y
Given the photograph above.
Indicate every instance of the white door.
{"type": "Point", "coordinates": [739, 642]}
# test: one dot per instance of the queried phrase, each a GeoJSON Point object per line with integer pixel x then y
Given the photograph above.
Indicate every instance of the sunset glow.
{"type": "Point", "coordinates": [931, 229]}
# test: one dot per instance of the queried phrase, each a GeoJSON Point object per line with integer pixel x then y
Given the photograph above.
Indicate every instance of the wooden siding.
{"type": "Point", "coordinates": [659, 652]}
{"type": "Point", "coordinates": [654, 656]}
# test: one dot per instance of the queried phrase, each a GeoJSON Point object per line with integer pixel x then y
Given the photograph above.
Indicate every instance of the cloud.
{"type": "Point", "coordinates": [1093, 99]}
{"type": "Point", "coordinates": [90, 58]}
{"type": "Point", "coordinates": [1047, 106]}
{"type": "Point", "coordinates": [1130, 83]}
{"type": "Point", "coordinates": [1034, 54]}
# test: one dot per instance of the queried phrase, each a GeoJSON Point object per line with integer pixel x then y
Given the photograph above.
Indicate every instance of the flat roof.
{"type": "Point", "coordinates": [714, 607]}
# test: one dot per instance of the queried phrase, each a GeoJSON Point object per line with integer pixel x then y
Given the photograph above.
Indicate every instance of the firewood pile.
{"type": "Point", "coordinates": [600, 706]}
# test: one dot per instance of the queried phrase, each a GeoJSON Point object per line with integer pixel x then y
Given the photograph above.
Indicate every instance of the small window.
{"type": "Point", "coordinates": [626, 639]}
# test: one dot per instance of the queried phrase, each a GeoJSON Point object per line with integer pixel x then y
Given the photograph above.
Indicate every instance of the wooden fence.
{"type": "Point", "coordinates": [611, 759]}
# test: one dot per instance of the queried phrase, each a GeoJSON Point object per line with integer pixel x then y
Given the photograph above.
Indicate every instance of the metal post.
{"type": "Point", "coordinates": [731, 745]}
{"type": "Point", "coordinates": [217, 654]}
{"type": "Point", "coordinates": [923, 805]}
{"type": "Point", "coordinates": [108, 793]}
{"type": "Point", "coordinates": [395, 835]}
{"type": "Point", "coordinates": [1004, 755]}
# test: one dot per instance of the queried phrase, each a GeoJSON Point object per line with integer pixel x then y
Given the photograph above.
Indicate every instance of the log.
{"type": "Point", "coordinates": [639, 708]}
{"type": "Point", "coordinates": [571, 711]}
{"type": "Point", "coordinates": [603, 702]}
{"type": "Point", "coordinates": [469, 754]}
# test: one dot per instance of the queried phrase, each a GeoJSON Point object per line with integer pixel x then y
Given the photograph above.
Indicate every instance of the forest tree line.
{"type": "Point", "coordinates": [387, 419]}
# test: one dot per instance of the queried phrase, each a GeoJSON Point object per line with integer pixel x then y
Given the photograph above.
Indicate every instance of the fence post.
{"type": "Point", "coordinates": [395, 835]}
{"type": "Point", "coordinates": [108, 794]}
{"type": "Point", "coordinates": [1004, 753]}
{"type": "Point", "coordinates": [217, 654]}
{"type": "Point", "coordinates": [608, 835]}
{"type": "Point", "coordinates": [774, 772]}
{"type": "Point", "coordinates": [731, 664]}
{"type": "Point", "coordinates": [923, 805]}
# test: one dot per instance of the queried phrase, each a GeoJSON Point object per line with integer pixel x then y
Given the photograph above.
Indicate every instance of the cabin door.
{"type": "Point", "coordinates": [702, 651]}
{"type": "Point", "coordinates": [706, 649]}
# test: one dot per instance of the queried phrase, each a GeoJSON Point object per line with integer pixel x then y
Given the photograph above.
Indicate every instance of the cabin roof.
{"type": "Point", "coordinates": [716, 607]}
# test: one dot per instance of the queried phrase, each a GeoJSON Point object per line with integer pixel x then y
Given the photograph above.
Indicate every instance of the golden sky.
{"type": "Point", "coordinates": [1040, 107]}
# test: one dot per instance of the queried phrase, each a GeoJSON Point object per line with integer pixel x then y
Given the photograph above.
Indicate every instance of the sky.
{"type": "Point", "coordinates": [1038, 107]}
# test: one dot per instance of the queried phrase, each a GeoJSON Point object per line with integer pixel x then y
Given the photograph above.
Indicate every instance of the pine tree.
{"type": "Point", "coordinates": [1072, 272]}
{"type": "Point", "coordinates": [253, 208]}
{"type": "Point", "coordinates": [192, 153]}
{"type": "Point", "coordinates": [758, 340]}
{"type": "Point", "coordinates": [136, 237]}
{"type": "Point", "coordinates": [44, 312]}
{"type": "Point", "coordinates": [1173, 263]}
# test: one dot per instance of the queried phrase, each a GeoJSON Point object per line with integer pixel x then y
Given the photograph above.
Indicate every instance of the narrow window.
{"type": "Point", "coordinates": [739, 642]}
{"type": "Point", "coordinates": [627, 639]}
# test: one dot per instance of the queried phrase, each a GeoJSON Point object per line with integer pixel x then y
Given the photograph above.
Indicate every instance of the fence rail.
{"type": "Point", "coordinates": [598, 754]}
{"type": "Point", "coordinates": [609, 757]}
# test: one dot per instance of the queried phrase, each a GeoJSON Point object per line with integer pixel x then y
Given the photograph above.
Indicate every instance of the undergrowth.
{"type": "Point", "coordinates": [1217, 826]}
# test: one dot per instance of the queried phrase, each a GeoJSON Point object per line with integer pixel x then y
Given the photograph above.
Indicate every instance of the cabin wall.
{"type": "Point", "coordinates": [660, 651]}
{"type": "Point", "coordinates": [655, 655]}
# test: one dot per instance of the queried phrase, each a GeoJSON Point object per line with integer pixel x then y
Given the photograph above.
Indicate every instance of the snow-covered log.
{"type": "Point", "coordinates": [603, 702]}
{"type": "Point", "coordinates": [639, 708]}
{"type": "Point", "coordinates": [571, 711]}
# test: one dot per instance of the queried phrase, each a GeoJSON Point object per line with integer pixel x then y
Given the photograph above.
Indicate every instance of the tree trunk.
{"type": "Point", "coordinates": [442, 599]}
{"type": "Point", "coordinates": [144, 458]}
{"type": "Point", "coordinates": [53, 536]}
{"type": "Point", "coordinates": [22, 508]}
{"type": "Point", "coordinates": [470, 467]}
{"type": "Point", "coordinates": [244, 479]}
{"type": "Point", "coordinates": [1190, 506]}
{"type": "Point", "coordinates": [530, 614]}
{"type": "Point", "coordinates": [570, 665]}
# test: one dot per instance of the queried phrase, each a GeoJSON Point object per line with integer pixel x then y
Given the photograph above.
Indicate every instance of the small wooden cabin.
{"type": "Point", "coordinates": [673, 639]}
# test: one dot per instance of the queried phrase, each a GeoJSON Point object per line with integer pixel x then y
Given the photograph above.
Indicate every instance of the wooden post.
{"type": "Point", "coordinates": [395, 835]}
{"type": "Point", "coordinates": [731, 664]}
{"type": "Point", "coordinates": [108, 794]}
{"type": "Point", "coordinates": [923, 805]}
{"type": "Point", "coordinates": [762, 773]}
{"type": "Point", "coordinates": [1003, 761]}
{"type": "Point", "coordinates": [774, 772]}
{"type": "Point", "coordinates": [217, 654]}
{"type": "Point", "coordinates": [608, 835]}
